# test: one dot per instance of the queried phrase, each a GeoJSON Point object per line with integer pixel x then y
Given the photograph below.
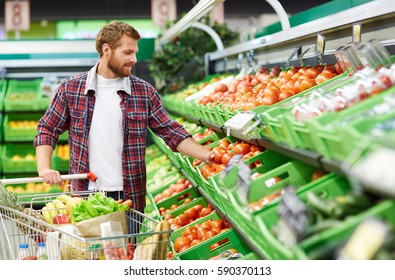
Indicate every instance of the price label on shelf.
{"type": "Point", "coordinates": [293, 213]}
{"type": "Point", "coordinates": [243, 125]}
{"type": "Point", "coordinates": [320, 46]}
{"type": "Point", "coordinates": [243, 182]}
{"type": "Point", "coordinates": [356, 33]}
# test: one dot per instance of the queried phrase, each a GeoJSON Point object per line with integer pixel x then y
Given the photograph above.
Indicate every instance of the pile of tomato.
{"type": "Point", "coordinates": [267, 87]}
{"type": "Point", "coordinates": [224, 152]}
{"type": "Point", "coordinates": [190, 215]}
{"type": "Point", "coordinates": [198, 233]}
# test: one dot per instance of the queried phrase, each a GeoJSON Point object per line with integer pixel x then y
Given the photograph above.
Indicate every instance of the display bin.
{"type": "Point", "coordinates": [23, 95]}
{"type": "Point", "coordinates": [195, 199]}
{"type": "Point", "coordinates": [191, 171]}
{"type": "Point", "coordinates": [220, 113]}
{"type": "Point", "coordinates": [333, 186]}
{"type": "Point", "coordinates": [174, 199]}
{"type": "Point", "coordinates": [280, 123]}
{"type": "Point", "coordinates": [152, 152]}
{"type": "Point", "coordinates": [159, 182]}
{"type": "Point", "coordinates": [214, 137]}
{"type": "Point", "coordinates": [360, 131]}
{"type": "Point", "coordinates": [328, 141]}
{"type": "Point", "coordinates": [161, 170]}
{"type": "Point", "coordinates": [203, 182]}
{"type": "Point", "coordinates": [202, 250]}
{"type": "Point", "coordinates": [269, 160]}
{"type": "Point", "coordinates": [317, 246]}
{"type": "Point", "coordinates": [18, 158]}
{"type": "Point", "coordinates": [292, 173]}
{"type": "Point", "coordinates": [20, 127]}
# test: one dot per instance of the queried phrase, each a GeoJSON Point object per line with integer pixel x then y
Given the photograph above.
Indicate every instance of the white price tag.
{"type": "Point", "coordinates": [243, 181]}
{"type": "Point", "coordinates": [376, 172]}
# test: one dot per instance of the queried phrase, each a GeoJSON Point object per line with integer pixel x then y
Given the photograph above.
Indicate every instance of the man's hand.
{"type": "Point", "coordinates": [50, 176]}
{"type": "Point", "coordinates": [210, 157]}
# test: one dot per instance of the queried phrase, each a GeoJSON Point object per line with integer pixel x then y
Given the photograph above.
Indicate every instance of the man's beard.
{"type": "Point", "coordinates": [117, 68]}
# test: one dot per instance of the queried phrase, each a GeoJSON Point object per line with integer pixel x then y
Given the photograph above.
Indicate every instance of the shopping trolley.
{"type": "Point", "coordinates": [64, 242]}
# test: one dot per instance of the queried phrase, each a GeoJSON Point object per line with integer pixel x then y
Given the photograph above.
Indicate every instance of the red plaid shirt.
{"type": "Point", "coordinates": [72, 110]}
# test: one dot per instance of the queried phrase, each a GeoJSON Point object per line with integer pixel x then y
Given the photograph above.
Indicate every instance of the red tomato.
{"type": "Point", "coordinates": [192, 213]}
{"type": "Point", "coordinates": [226, 158]}
{"type": "Point", "coordinates": [181, 242]}
{"type": "Point", "coordinates": [205, 211]}
{"type": "Point", "coordinates": [223, 143]}
{"type": "Point", "coordinates": [242, 149]}
{"type": "Point", "coordinates": [221, 88]}
{"type": "Point", "coordinates": [218, 154]}
{"type": "Point", "coordinates": [194, 242]}
{"type": "Point", "coordinates": [217, 224]}
{"type": "Point", "coordinates": [284, 95]}
{"type": "Point", "coordinates": [306, 84]}
{"type": "Point", "coordinates": [186, 247]}
{"type": "Point", "coordinates": [201, 233]}
{"type": "Point", "coordinates": [198, 207]}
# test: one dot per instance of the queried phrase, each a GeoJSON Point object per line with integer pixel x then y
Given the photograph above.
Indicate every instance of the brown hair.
{"type": "Point", "coordinates": [112, 33]}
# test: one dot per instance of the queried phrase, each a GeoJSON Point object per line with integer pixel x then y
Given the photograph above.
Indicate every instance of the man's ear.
{"type": "Point", "coordinates": [106, 49]}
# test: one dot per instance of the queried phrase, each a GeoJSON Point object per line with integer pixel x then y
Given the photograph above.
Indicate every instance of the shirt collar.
{"type": "Point", "coordinates": [91, 82]}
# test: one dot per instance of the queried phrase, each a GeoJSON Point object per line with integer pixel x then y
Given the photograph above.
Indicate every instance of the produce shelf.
{"type": "Point", "coordinates": [235, 227]}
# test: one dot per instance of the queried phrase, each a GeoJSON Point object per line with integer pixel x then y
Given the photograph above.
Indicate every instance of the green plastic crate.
{"type": "Point", "coordinates": [202, 250]}
{"type": "Point", "coordinates": [193, 195]}
{"type": "Point", "coordinates": [19, 158]}
{"type": "Point", "coordinates": [282, 126]}
{"type": "Point", "coordinates": [324, 129]}
{"type": "Point", "coordinates": [20, 127]}
{"type": "Point", "coordinates": [157, 183]}
{"type": "Point", "coordinates": [23, 95]}
{"type": "Point", "coordinates": [335, 237]}
{"type": "Point", "coordinates": [174, 199]}
{"type": "Point", "coordinates": [333, 186]}
{"type": "Point", "coordinates": [269, 160]}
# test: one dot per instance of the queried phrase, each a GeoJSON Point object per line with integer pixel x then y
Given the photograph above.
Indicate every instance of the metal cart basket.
{"type": "Point", "coordinates": [64, 242]}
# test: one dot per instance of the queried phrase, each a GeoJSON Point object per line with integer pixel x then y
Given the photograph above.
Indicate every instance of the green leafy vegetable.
{"type": "Point", "coordinates": [95, 205]}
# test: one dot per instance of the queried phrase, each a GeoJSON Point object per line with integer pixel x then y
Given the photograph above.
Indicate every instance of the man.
{"type": "Point", "coordinates": [107, 112]}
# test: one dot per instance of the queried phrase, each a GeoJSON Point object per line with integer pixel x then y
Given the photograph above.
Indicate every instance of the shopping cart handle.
{"type": "Point", "coordinates": [88, 175]}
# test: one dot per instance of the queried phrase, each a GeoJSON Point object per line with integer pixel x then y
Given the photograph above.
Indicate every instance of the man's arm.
{"type": "Point", "coordinates": [43, 157]}
{"type": "Point", "coordinates": [191, 148]}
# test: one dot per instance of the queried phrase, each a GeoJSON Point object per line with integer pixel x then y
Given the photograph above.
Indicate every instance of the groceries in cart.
{"type": "Point", "coordinates": [82, 225]}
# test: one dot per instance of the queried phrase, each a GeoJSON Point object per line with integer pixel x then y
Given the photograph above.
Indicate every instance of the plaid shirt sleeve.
{"type": "Point", "coordinates": [163, 126]}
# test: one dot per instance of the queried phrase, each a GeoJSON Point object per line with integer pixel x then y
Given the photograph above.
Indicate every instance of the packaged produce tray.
{"type": "Point", "coordinates": [23, 95]}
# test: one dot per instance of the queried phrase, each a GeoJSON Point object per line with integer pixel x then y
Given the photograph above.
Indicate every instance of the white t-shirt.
{"type": "Point", "coordinates": [105, 140]}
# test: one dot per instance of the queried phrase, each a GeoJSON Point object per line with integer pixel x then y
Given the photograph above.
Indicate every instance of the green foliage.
{"type": "Point", "coordinates": [181, 61]}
